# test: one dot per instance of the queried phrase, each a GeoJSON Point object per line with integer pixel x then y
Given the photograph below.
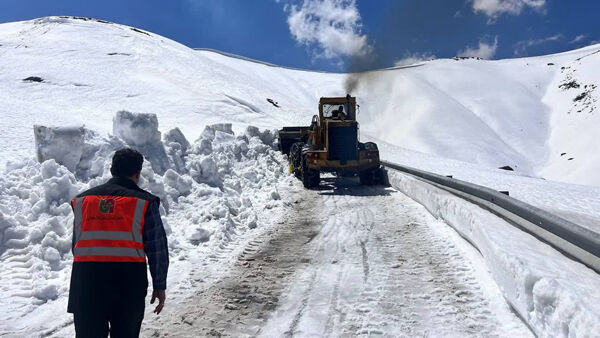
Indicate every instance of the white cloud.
{"type": "Point", "coordinates": [578, 38]}
{"type": "Point", "coordinates": [522, 46]}
{"type": "Point", "coordinates": [411, 59]}
{"type": "Point", "coordinates": [484, 50]}
{"type": "Point", "coordinates": [494, 8]}
{"type": "Point", "coordinates": [330, 28]}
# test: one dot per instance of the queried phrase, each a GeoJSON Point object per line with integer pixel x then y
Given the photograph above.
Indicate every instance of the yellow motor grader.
{"type": "Point", "coordinates": [331, 144]}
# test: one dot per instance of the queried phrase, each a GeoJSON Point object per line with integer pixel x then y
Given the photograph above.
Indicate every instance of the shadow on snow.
{"type": "Point", "coordinates": [351, 186]}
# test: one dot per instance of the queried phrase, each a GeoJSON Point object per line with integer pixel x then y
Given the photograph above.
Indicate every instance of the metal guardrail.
{"type": "Point", "coordinates": [572, 239]}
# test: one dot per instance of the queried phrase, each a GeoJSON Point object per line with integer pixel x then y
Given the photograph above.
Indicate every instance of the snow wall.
{"type": "Point", "coordinates": [554, 295]}
{"type": "Point", "coordinates": [214, 188]}
{"type": "Point", "coordinates": [63, 144]}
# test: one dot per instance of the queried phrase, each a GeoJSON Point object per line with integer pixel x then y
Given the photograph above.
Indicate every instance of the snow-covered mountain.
{"type": "Point", "coordinates": [224, 188]}
{"type": "Point", "coordinates": [538, 115]}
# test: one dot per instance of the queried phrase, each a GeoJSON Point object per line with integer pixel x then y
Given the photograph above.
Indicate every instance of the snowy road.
{"type": "Point", "coordinates": [348, 260]}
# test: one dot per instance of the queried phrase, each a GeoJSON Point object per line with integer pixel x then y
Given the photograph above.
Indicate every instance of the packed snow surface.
{"type": "Point", "coordinates": [347, 260]}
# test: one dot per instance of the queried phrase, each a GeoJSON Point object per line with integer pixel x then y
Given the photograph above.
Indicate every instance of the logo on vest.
{"type": "Point", "coordinates": [107, 206]}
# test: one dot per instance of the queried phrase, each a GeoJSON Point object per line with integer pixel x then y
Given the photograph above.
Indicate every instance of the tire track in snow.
{"type": "Point", "coordinates": [395, 276]}
{"type": "Point", "coordinates": [365, 260]}
{"type": "Point", "coordinates": [333, 305]}
{"type": "Point", "coordinates": [293, 326]}
{"type": "Point", "coordinates": [238, 302]}
{"type": "Point", "coordinates": [349, 261]}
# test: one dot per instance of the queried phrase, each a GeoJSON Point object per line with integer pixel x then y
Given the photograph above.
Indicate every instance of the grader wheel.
{"type": "Point", "coordinates": [310, 177]}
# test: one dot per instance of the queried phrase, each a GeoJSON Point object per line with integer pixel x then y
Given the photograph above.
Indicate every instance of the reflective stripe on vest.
{"type": "Point", "coordinates": [108, 229]}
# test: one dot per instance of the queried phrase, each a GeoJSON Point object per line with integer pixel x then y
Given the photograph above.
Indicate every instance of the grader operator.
{"type": "Point", "coordinates": [331, 144]}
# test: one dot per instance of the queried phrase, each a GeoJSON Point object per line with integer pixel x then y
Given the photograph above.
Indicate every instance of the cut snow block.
{"type": "Point", "coordinates": [210, 130]}
{"type": "Point", "coordinates": [140, 132]}
{"type": "Point", "coordinates": [63, 144]}
{"type": "Point", "coordinates": [136, 129]}
{"type": "Point", "coordinates": [268, 137]}
{"type": "Point", "coordinates": [176, 146]}
{"type": "Point", "coordinates": [176, 136]}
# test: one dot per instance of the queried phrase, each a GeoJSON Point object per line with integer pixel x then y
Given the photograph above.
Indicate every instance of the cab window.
{"type": "Point", "coordinates": [334, 110]}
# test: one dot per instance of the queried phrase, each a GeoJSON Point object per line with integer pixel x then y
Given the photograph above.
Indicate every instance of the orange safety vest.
{"type": "Point", "coordinates": [108, 228]}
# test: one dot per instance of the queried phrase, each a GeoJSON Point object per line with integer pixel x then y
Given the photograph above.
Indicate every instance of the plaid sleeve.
{"type": "Point", "coordinates": [155, 245]}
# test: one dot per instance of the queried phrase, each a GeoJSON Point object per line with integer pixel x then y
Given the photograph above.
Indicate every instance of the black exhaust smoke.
{"type": "Point", "coordinates": [378, 54]}
{"type": "Point", "coordinates": [358, 72]}
{"type": "Point", "coordinates": [404, 23]}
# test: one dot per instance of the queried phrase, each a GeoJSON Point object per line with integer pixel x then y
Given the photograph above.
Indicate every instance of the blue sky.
{"type": "Point", "coordinates": [332, 35]}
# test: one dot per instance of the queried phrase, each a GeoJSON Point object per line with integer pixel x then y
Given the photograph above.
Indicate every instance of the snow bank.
{"type": "Point", "coordinates": [177, 146]}
{"type": "Point", "coordinates": [136, 129]}
{"type": "Point", "coordinates": [63, 144]}
{"type": "Point", "coordinates": [140, 132]}
{"type": "Point", "coordinates": [211, 190]}
{"type": "Point", "coordinates": [35, 228]}
{"type": "Point", "coordinates": [554, 295]}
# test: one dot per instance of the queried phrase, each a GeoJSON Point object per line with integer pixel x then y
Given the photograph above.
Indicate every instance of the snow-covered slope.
{"type": "Point", "coordinates": [459, 117]}
{"type": "Point", "coordinates": [511, 112]}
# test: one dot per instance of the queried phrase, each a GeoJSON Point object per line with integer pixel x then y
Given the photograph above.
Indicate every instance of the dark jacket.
{"type": "Point", "coordinates": [107, 285]}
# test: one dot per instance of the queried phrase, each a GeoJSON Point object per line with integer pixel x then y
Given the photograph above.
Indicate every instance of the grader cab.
{"type": "Point", "coordinates": [331, 144]}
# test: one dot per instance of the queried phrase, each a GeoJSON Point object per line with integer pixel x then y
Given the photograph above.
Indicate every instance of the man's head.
{"type": "Point", "coordinates": [341, 108]}
{"type": "Point", "coordinates": [127, 163]}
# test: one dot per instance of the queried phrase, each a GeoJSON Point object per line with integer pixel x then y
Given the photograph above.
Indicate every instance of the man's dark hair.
{"type": "Point", "coordinates": [126, 163]}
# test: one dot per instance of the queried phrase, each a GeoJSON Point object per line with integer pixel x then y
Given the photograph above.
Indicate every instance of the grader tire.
{"type": "Point", "coordinates": [373, 177]}
{"type": "Point", "coordinates": [367, 177]}
{"type": "Point", "coordinates": [295, 159]}
{"type": "Point", "coordinates": [310, 177]}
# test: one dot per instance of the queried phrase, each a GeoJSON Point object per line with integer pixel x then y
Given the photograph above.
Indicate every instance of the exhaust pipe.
{"type": "Point", "coordinates": [348, 104]}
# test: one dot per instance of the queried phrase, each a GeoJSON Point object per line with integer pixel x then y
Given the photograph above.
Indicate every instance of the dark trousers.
{"type": "Point", "coordinates": [108, 297]}
{"type": "Point", "coordinates": [123, 324]}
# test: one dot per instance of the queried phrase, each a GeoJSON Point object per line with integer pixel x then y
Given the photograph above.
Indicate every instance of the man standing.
{"type": "Point", "coordinates": [116, 227]}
